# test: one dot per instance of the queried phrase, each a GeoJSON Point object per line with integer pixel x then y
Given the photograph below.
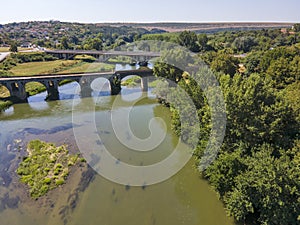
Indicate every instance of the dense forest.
{"type": "Point", "coordinates": [257, 170]}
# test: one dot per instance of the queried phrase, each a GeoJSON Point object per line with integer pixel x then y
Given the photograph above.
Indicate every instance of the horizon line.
{"type": "Point", "coordinates": [152, 22]}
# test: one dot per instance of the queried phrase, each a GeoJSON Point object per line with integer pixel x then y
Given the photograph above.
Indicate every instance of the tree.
{"type": "Point", "coordinates": [269, 188]}
{"type": "Point", "coordinates": [189, 40]}
{"type": "Point", "coordinates": [244, 44]}
{"type": "Point", "coordinates": [65, 43]}
{"type": "Point", "coordinates": [296, 27]}
{"type": "Point", "coordinates": [93, 44]}
{"type": "Point", "coordinates": [279, 71]}
{"type": "Point", "coordinates": [177, 60]}
{"type": "Point", "coordinates": [252, 62]}
{"type": "Point", "coordinates": [224, 63]}
{"type": "Point", "coordinates": [13, 47]}
{"type": "Point", "coordinates": [202, 41]}
{"type": "Point", "coordinates": [256, 115]}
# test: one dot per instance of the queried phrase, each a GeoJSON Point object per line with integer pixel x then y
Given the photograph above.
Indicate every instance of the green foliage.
{"type": "Point", "coordinates": [13, 47]}
{"type": "Point", "coordinates": [255, 115]}
{"type": "Point", "coordinates": [33, 57]}
{"type": "Point", "coordinates": [270, 187]}
{"type": "Point", "coordinates": [93, 44]}
{"type": "Point", "coordinates": [202, 42]}
{"type": "Point", "coordinates": [189, 40]}
{"type": "Point", "coordinates": [45, 167]}
{"type": "Point", "coordinates": [292, 96]}
{"type": "Point", "coordinates": [257, 171]}
{"type": "Point", "coordinates": [244, 44]}
{"type": "Point", "coordinates": [65, 43]}
{"type": "Point", "coordinates": [4, 105]}
{"type": "Point", "coordinates": [296, 27]}
{"type": "Point", "coordinates": [224, 63]}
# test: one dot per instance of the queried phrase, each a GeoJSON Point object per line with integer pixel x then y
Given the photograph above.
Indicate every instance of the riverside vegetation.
{"type": "Point", "coordinates": [46, 167]}
{"type": "Point", "coordinates": [257, 170]}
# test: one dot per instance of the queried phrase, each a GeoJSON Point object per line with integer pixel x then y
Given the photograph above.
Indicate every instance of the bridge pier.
{"type": "Point", "coordinates": [144, 84]}
{"type": "Point", "coordinates": [115, 84]}
{"type": "Point", "coordinates": [17, 91]}
{"type": "Point", "coordinates": [85, 86]}
{"type": "Point", "coordinates": [52, 90]}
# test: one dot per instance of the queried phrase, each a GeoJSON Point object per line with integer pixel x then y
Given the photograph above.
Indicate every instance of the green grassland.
{"type": "Point", "coordinates": [85, 67]}
{"type": "Point", "coordinates": [6, 49]}
{"type": "Point", "coordinates": [36, 68]}
{"type": "Point", "coordinates": [59, 66]}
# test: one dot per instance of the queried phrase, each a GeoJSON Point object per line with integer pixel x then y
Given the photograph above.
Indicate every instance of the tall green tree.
{"type": "Point", "coordinates": [296, 27]}
{"type": "Point", "coordinates": [13, 47]}
{"type": "Point", "coordinates": [224, 63]}
{"type": "Point", "coordinates": [269, 188]}
{"type": "Point", "coordinates": [244, 44]}
{"type": "Point", "coordinates": [65, 43]}
{"type": "Point", "coordinates": [189, 40]}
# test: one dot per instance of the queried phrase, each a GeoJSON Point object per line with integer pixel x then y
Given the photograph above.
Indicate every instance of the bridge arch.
{"type": "Point", "coordinates": [67, 80]}
{"type": "Point", "coordinates": [69, 88]}
{"type": "Point", "coordinates": [34, 87]}
{"type": "Point", "coordinates": [101, 86]}
{"type": "Point", "coordinates": [4, 91]}
{"type": "Point", "coordinates": [136, 79]}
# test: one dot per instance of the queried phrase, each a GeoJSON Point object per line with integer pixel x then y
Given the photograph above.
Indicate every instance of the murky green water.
{"type": "Point", "coordinates": [184, 199]}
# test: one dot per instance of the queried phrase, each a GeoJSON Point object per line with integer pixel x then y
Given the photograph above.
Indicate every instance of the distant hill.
{"type": "Point", "coordinates": [50, 34]}
{"type": "Point", "coordinates": [203, 27]}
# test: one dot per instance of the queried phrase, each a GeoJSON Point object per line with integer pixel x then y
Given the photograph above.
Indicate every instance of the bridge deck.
{"type": "Point", "coordinates": [111, 53]}
{"type": "Point", "coordinates": [76, 75]}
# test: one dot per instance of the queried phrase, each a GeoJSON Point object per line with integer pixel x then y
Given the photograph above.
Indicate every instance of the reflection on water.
{"type": "Point", "coordinates": [87, 199]}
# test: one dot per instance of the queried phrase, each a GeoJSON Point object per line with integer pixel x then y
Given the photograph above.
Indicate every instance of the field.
{"type": "Point", "coordinates": [59, 66]}
{"type": "Point", "coordinates": [6, 49]}
{"type": "Point", "coordinates": [33, 68]}
{"type": "Point", "coordinates": [84, 67]}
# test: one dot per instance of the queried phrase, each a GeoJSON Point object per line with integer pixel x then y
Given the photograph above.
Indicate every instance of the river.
{"type": "Point", "coordinates": [88, 198]}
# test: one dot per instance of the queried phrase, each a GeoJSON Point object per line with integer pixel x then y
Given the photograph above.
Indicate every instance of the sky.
{"type": "Point", "coordinates": [92, 11]}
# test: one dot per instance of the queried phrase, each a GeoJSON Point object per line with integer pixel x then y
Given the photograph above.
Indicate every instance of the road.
{"type": "Point", "coordinates": [3, 55]}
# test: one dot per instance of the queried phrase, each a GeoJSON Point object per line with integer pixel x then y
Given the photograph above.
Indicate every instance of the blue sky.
{"type": "Point", "coordinates": [150, 11]}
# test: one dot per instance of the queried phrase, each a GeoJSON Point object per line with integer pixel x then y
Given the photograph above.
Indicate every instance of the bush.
{"type": "Point", "coordinates": [60, 182]}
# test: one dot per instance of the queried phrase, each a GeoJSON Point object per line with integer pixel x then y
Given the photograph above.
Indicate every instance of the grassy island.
{"type": "Point", "coordinates": [46, 167]}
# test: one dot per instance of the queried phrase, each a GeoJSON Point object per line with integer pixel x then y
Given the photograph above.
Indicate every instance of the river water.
{"type": "Point", "coordinates": [88, 198]}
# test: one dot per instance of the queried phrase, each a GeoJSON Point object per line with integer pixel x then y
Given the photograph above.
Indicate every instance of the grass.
{"type": "Point", "coordinates": [4, 49]}
{"type": "Point", "coordinates": [59, 66]}
{"type": "Point", "coordinates": [120, 59]}
{"type": "Point", "coordinates": [84, 67]}
{"type": "Point", "coordinates": [34, 68]}
{"type": "Point", "coordinates": [46, 167]}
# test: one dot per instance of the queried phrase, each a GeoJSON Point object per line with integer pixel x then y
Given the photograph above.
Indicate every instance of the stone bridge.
{"type": "Point", "coordinates": [16, 85]}
{"type": "Point", "coordinates": [103, 56]}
